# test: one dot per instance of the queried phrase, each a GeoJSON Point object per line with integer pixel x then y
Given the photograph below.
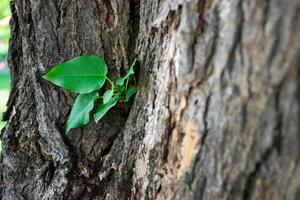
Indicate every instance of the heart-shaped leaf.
{"type": "Point", "coordinates": [82, 74]}
{"type": "Point", "coordinates": [104, 108]}
{"type": "Point", "coordinates": [120, 81]}
{"type": "Point", "coordinates": [80, 114]}
{"type": "Point", "coordinates": [131, 91]}
{"type": "Point", "coordinates": [107, 96]}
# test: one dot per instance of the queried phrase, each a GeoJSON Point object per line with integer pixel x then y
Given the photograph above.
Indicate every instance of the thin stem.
{"type": "Point", "coordinates": [126, 85]}
{"type": "Point", "coordinates": [111, 83]}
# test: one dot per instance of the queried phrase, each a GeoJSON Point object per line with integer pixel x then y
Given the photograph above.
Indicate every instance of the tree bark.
{"type": "Point", "coordinates": [216, 115]}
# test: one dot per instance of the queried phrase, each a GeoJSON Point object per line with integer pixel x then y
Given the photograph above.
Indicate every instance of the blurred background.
{"type": "Point", "coordinates": [4, 71]}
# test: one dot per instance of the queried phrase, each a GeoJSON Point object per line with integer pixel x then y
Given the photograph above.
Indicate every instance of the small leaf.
{"type": "Point", "coordinates": [82, 74]}
{"type": "Point", "coordinates": [104, 108]}
{"type": "Point", "coordinates": [107, 96]}
{"type": "Point", "coordinates": [131, 91]}
{"type": "Point", "coordinates": [120, 81]}
{"type": "Point", "coordinates": [82, 107]}
{"type": "Point", "coordinates": [121, 89]}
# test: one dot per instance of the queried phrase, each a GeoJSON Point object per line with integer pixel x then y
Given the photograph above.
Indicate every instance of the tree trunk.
{"type": "Point", "coordinates": [216, 115]}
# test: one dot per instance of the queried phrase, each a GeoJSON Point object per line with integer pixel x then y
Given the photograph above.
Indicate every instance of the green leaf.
{"type": "Point", "coordinates": [80, 114]}
{"type": "Point", "coordinates": [120, 81]}
{"type": "Point", "coordinates": [107, 96]}
{"type": "Point", "coordinates": [82, 74]}
{"type": "Point", "coordinates": [104, 108]}
{"type": "Point", "coordinates": [131, 91]}
{"type": "Point", "coordinates": [121, 88]}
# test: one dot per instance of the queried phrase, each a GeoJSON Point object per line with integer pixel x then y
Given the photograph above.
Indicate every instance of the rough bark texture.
{"type": "Point", "coordinates": [216, 115]}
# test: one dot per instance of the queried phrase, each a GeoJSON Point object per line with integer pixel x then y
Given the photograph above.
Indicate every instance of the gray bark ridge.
{"type": "Point", "coordinates": [216, 115]}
